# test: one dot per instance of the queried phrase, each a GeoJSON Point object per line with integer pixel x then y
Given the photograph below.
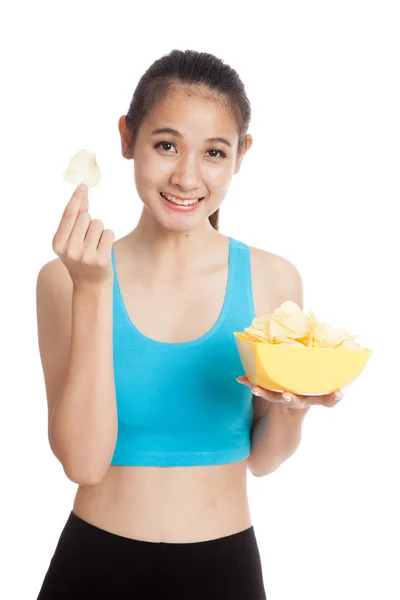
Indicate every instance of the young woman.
{"type": "Point", "coordinates": [140, 362]}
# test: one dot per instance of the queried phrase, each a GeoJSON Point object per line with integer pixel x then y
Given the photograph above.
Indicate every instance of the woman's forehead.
{"type": "Point", "coordinates": [187, 114]}
{"type": "Point", "coordinates": [189, 99]}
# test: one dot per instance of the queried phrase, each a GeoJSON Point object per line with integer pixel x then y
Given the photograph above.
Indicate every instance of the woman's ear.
{"type": "Point", "coordinates": [125, 138]}
{"type": "Point", "coordinates": [246, 146]}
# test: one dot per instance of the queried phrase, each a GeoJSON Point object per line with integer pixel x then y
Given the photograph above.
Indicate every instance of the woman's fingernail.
{"type": "Point", "coordinates": [256, 393]}
{"type": "Point", "coordinates": [337, 395]}
{"type": "Point", "coordinates": [83, 187]}
{"type": "Point", "coordinates": [287, 397]}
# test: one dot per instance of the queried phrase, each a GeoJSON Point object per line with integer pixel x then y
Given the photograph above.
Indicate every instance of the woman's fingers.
{"type": "Point", "coordinates": [257, 391]}
{"type": "Point", "coordinates": [290, 399]}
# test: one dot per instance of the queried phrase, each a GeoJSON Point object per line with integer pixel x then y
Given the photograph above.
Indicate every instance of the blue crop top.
{"type": "Point", "coordinates": [179, 404]}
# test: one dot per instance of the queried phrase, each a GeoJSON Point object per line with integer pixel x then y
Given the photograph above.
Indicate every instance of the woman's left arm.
{"type": "Point", "coordinates": [277, 434]}
{"type": "Point", "coordinates": [274, 438]}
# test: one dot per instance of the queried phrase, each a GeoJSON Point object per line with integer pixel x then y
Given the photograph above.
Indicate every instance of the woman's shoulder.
{"type": "Point", "coordinates": [276, 276]}
{"type": "Point", "coordinates": [266, 259]}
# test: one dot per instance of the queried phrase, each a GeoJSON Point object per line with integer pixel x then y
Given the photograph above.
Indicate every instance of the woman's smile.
{"type": "Point", "coordinates": [180, 205]}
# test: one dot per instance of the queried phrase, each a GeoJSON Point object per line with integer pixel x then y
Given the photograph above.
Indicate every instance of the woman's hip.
{"type": "Point", "coordinates": [91, 561]}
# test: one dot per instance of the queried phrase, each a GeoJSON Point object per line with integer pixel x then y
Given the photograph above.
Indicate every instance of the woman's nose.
{"type": "Point", "coordinates": [187, 174]}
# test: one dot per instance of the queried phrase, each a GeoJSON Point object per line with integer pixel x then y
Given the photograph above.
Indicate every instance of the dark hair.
{"type": "Point", "coordinates": [200, 70]}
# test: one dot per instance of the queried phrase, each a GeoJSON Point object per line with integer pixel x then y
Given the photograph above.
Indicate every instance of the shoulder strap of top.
{"type": "Point", "coordinates": [242, 296]}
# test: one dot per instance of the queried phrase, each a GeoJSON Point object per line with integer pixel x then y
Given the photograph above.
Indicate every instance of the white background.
{"type": "Point", "coordinates": [320, 186]}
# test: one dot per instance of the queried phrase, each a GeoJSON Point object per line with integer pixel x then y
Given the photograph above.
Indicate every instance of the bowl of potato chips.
{"type": "Point", "coordinates": [289, 350]}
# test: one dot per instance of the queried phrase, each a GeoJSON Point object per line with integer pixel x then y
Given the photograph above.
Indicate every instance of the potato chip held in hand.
{"type": "Point", "coordinates": [83, 168]}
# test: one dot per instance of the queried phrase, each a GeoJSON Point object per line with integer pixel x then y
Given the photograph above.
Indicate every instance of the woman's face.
{"type": "Point", "coordinates": [185, 163]}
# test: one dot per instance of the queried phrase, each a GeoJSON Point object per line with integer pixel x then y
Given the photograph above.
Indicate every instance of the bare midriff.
{"type": "Point", "coordinates": [168, 504]}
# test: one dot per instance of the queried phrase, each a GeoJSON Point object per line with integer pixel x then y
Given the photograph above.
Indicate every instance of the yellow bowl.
{"type": "Point", "coordinates": [301, 370]}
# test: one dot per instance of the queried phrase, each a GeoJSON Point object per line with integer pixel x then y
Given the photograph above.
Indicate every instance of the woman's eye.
{"type": "Point", "coordinates": [163, 144]}
{"type": "Point", "coordinates": [221, 152]}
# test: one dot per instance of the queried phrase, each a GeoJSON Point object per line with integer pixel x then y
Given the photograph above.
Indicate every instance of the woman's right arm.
{"type": "Point", "coordinates": [74, 313]}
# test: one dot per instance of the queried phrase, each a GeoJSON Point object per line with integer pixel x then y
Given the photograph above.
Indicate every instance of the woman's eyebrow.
{"type": "Point", "coordinates": [176, 133]}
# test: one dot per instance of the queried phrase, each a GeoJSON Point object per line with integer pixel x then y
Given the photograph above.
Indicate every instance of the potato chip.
{"type": "Point", "coordinates": [256, 334]}
{"type": "Point", "coordinates": [289, 325]}
{"type": "Point", "coordinates": [83, 168]}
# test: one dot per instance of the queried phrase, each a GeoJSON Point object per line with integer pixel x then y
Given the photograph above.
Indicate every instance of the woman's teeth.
{"type": "Point", "coordinates": [176, 201]}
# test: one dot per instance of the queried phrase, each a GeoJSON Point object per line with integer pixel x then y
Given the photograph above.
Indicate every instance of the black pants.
{"type": "Point", "coordinates": [90, 562]}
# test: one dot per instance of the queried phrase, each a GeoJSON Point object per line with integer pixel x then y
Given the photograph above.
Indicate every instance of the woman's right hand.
{"type": "Point", "coordinates": [82, 244]}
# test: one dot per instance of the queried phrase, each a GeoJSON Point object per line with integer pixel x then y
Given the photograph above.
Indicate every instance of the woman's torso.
{"type": "Point", "coordinates": [188, 503]}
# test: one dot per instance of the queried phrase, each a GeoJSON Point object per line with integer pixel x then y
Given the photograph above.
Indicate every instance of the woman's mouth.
{"type": "Point", "coordinates": [180, 202]}
{"type": "Point", "coordinates": [181, 205]}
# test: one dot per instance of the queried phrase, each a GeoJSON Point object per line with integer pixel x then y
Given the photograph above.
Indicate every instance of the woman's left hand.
{"type": "Point", "coordinates": [291, 400]}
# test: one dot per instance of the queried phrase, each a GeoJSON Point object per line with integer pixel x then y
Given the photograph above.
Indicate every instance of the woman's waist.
{"type": "Point", "coordinates": [171, 504]}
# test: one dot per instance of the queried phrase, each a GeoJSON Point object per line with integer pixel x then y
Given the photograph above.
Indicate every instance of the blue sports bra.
{"type": "Point", "coordinates": [179, 404]}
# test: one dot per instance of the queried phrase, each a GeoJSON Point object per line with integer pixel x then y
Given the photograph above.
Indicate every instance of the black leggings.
{"type": "Point", "coordinates": [90, 562]}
